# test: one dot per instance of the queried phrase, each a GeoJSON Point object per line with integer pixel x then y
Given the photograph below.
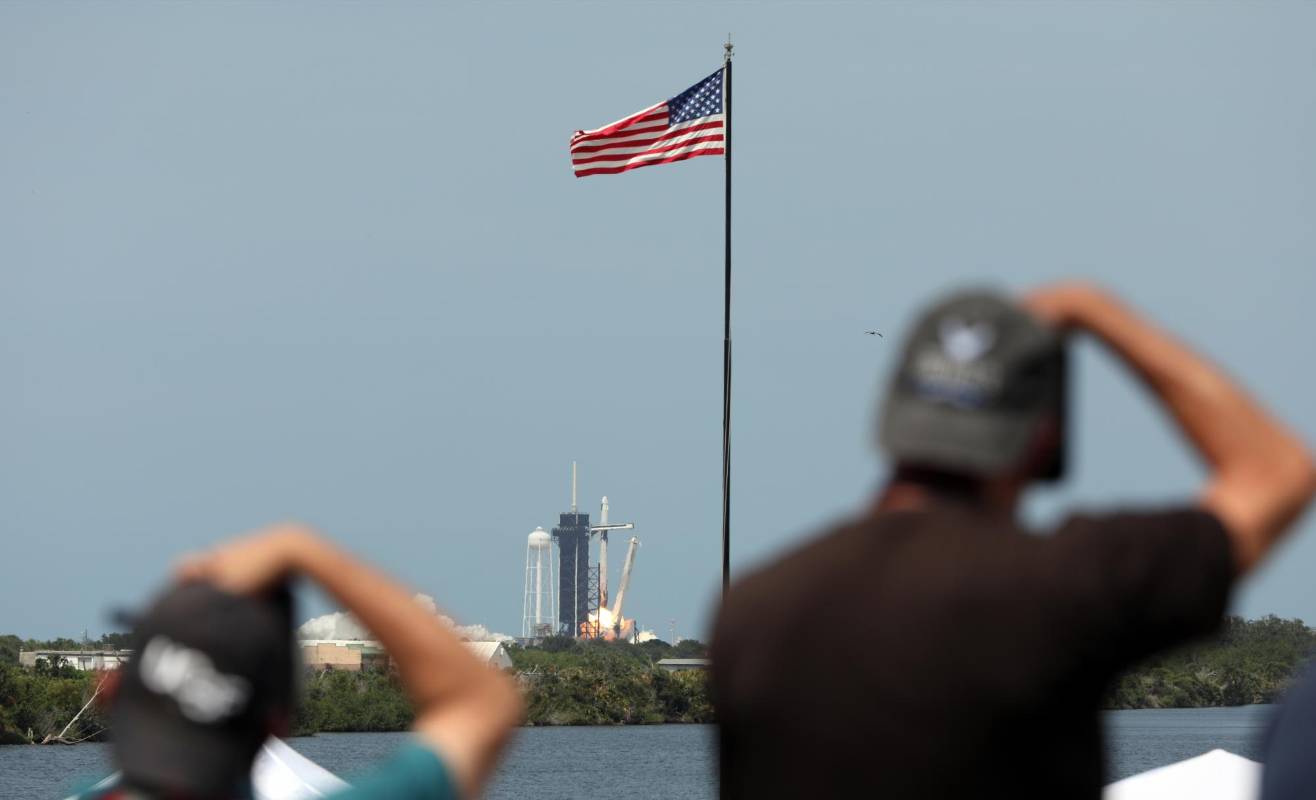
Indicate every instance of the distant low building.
{"type": "Point", "coordinates": [85, 660]}
{"type": "Point", "coordinates": [343, 655]}
{"type": "Point", "coordinates": [348, 655]}
{"type": "Point", "coordinates": [492, 653]}
{"type": "Point", "coordinates": [351, 655]}
{"type": "Point", "coordinates": [683, 664]}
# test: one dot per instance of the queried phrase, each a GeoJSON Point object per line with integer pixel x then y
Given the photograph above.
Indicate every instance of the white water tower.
{"type": "Point", "coordinates": [539, 613]}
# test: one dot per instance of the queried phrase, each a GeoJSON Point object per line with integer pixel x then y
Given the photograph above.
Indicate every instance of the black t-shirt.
{"type": "Point", "coordinates": [943, 654]}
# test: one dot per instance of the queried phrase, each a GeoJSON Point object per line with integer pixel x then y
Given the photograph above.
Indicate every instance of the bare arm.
{"type": "Point", "coordinates": [464, 710]}
{"type": "Point", "coordinates": [1262, 475]}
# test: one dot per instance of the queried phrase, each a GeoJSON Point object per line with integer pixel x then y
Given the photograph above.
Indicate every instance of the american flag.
{"type": "Point", "coordinates": [688, 125]}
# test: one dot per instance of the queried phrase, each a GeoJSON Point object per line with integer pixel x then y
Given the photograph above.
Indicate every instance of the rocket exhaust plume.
{"type": "Point", "coordinates": [608, 623]}
{"type": "Point", "coordinates": [603, 625]}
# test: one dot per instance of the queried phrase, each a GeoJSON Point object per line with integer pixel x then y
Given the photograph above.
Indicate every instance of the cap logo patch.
{"type": "Point", "coordinates": [204, 694]}
{"type": "Point", "coordinates": [964, 342]}
{"type": "Point", "coordinates": [952, 370]}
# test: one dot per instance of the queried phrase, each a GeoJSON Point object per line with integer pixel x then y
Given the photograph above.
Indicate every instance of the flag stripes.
{"type": "Point", "coordinates": [688, 125]}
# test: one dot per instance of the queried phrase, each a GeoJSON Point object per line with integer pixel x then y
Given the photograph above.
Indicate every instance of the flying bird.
{"type": "Point", "coordinates": [875, 333]}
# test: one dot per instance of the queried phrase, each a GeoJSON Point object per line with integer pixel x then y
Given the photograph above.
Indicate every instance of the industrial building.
{"type": "Point", "coordinates": [342, 655]}
{"type": "Point", "coordinates": [351, 655]}
{"type": "Point", "coordinates": [85, 660]}
{"type": "Point", "coordinates": [348, 655]}
{"type": "Point", "coordinates": [684, 664]}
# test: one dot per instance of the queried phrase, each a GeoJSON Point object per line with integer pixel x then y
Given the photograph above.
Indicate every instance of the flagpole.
{"type": "Point", "coordinates": [726, 339]}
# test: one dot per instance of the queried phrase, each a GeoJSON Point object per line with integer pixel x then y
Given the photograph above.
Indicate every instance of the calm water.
{"type": "Point", "coordinates": [1137, 741]}
{"type": "Point", "coordinates": [645, 762]}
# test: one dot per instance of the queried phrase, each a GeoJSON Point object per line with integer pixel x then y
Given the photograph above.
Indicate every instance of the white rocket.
{"type": "Point", "coordinates": [602, 530]}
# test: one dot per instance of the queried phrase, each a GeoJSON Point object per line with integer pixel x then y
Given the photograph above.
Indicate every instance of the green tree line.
{"type": "Point", "coordinates": [570, 682]}
{"type": "Point", "coordinates": [1249, 661]}
{"type": "Point", "coordinates": [11, 644]}
{"type": "Point", "coordinates": [35, 703]}
{"type": "Point", "coordinates": [566, 682]}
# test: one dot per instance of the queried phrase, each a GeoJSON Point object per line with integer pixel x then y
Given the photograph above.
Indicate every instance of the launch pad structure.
{"type": "Point", "coordinates": [582, 588]}
{"type": "Point", "coordinates": [572, 537]}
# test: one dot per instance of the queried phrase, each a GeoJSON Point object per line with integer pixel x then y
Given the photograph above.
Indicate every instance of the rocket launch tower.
{"type": "Point", "coordinates": [583, 589]}
{"type": "Point", "coordinates": [572, 537]}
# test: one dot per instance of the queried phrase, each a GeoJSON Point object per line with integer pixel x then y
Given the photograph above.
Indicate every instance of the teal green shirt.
{"type": "Point", "coordinates": [415, 773]}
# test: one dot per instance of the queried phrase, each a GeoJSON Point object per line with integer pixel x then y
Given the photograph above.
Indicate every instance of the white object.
{"type": "Point", "coordinates": [282, 773]}
{"type": "Point", "coordinates": [492, 653]}
{"type": "Point", "coordinates": [1217, 775]}
{"type": "Point", "coordinates": [537, 610]}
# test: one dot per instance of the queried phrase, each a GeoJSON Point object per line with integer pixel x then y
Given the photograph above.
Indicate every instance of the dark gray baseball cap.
{"type": "Point", "coordinates": [977, 378]}
{"type": "Point", "coordinates": [196, 701]}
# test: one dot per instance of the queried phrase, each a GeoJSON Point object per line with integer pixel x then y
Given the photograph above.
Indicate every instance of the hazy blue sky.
{"type": "Point", "coordinates": [328, 261]}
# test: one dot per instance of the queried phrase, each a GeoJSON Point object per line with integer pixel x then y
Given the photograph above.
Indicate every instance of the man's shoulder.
{"type": "Point", "coordinates": [792, 582]}
{"type": "Point", "coordinates": [104, 789]}
{"type": "Point", "coordinates": [970, 549]}
{"type": "Point", "coordinates": [842, 547]}
{"type": "Point", "coordinates": [1182, 533]}
{"type": "Point", "coordinates": [416, 772]}
{"type": "Point", "coordinates": [1189, 519]}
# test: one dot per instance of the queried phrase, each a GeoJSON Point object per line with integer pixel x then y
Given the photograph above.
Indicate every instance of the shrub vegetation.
{"type": "Point", "coordinates": [570, 682]}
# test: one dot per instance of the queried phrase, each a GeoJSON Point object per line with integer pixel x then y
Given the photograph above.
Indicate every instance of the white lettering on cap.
{"type": "Point", "coordinates": [965, 342]}
{"type": "Point", "coordinates": [203, 693]}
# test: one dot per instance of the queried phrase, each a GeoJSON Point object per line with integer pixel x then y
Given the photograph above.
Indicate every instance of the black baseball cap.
{"type": "Point", "coordinates": [209, 672]}
{"type": "Point", "coordinates": [977, 378]}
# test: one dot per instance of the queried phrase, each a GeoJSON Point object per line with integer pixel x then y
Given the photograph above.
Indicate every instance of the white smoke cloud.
{"type": "Point", "coordinates": [338, 625]}
{"type": "Point", "coordinates": [645, 636]}
{"type": "Point", "coordinates": [342, 625]}
{"type": "Point", "coordinates": [476, 633]}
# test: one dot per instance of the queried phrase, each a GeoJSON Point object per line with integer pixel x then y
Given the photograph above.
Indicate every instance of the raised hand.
{"type": "Point", "coordinates": [252, 563]}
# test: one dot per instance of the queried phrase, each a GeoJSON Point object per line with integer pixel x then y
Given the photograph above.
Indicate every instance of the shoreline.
{"type": "Point", "coordinates": [608, 725]}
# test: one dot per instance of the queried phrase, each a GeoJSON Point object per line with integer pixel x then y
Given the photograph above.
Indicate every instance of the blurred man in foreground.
{"type": "Point", "coordinates": [932, 647]}
{"type": "Point", "coordinates": [213, 677]}
{"type": "Point", "coordinates": [1290, 772]}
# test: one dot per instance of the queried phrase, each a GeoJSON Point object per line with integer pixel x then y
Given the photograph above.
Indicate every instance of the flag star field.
{"type": "Point", "coordinates": [688, 125]}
